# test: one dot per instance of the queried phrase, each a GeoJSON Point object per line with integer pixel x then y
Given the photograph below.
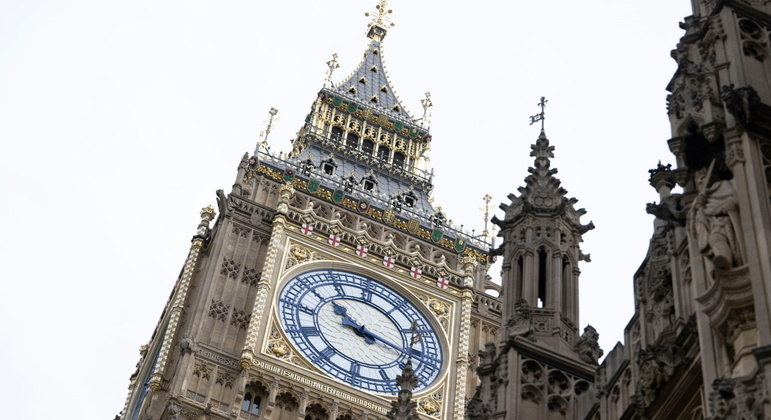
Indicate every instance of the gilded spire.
{"type": "Point", "coordinates": [380, 21]}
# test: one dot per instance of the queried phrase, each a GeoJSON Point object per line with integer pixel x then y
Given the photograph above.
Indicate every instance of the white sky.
{"type": "Point", "coordinates": [119, 120]}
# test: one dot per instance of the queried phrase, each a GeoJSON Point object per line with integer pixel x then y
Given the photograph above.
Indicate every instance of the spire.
{"type": "Point", "coordinates": [368, 84]}
{"type": "Point", "coordinates": [404, 408]}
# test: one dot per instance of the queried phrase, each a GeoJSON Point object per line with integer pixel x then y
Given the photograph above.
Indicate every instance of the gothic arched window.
{"type": "Point", "coordinates": [399, 159]}
{"type": "Point", "coordinates": [336, 134]}
{"type": "Point", "coordinates": [382, 153]}
{"type": "Point", "coordinates": [367, 147]}
{"type": "Point", "coordinates": [352, 141]}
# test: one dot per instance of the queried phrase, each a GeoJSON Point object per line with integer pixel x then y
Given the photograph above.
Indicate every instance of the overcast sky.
{"type": "Point", "coordinates": [119, 120]}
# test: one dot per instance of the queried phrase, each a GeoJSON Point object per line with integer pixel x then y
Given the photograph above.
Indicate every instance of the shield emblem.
{"type": "Point", "coordinates": [289, 175]}
{"type": "Point", "coordinates": [413, 225]}
{"type": "Point", "coordinates": [362, 206]}
{"type": "Point", "coordinates": [352, 107]}
{"type": "Point", "coordinates": [436, 235]}
{"type": "Point", "coordinates": [389, 216]}
{"type": "Point", "coordinates": [313, 185]}
{"type": "Point", "coordinates": [336, 101]}
{"type": "Point", "coordinates": [398, 125]}
{"type": "Point", "coordinates": [338, 196]}
{"type": "Point", "coordinates": [459, 245]}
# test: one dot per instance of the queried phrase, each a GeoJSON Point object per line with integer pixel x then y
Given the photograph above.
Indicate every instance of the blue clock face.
{"type": "Point", "coordinates": [358, 329]}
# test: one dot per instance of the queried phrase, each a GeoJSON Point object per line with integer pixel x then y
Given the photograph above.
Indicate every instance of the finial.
{"type": "Point", "coordinates": [487, 198]}
{"type": "Point", "coordinates": [332, 64]}
{"type": "Point", "coordinates": [264, 134]}
{"type": "Point", "coordinates": [542, 115]}
{"type": "Point", "coordinates": [426, 102]}
{"type": "Point", "coordinates": [382, 12]}
{"type": "Point", "coordinates": [380, 21]}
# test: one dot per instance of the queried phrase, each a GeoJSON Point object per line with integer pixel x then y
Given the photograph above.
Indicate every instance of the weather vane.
{"type": "Point", "coordinates": [381, 17]}
{"type": "Point", "coordinates": [542, 115]}
{"type": "Point", "coordinates": [332, 64]}
{"type": "Point", "coordinates": [426, 102]}
{"type": "Point", "coordinates": [264, 142]}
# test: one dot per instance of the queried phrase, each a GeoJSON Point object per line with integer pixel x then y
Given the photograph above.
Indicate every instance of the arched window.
{"type": "Point", "coordinates": [352, 141]}
{"type": "Point", "coordinates": [251, 404]}
{"type": "Point", "coordinates": [337, 133]}
{"type": "Point", "coordinates": [399, 159]}
{"type": "Point", "coordinates": [382, 153]}
{"type": "Point", "coordinates": [367, 147]}
{"type": "Point", "coordinates": [542, 278]}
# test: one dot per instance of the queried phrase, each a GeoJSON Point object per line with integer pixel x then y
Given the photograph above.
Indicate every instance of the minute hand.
{"type": "Point", "coordinates": [414, 353]}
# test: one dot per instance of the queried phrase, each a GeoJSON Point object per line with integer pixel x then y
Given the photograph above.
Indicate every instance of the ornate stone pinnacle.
{"type": "Point", "coordinates": [208, 213]}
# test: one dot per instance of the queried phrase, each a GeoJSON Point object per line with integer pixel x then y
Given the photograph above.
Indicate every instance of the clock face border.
{"type": "Point", "coordinates": [442, 337]}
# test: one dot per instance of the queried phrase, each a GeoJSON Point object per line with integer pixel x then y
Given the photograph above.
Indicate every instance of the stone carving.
{"type": "Point", "coordinates": [440, 309]}
{"type": "Point", "coordinates": [251, 276]}
{"type": "Point", "coordinates": [219, 310]}
{"type": "Point", "coordinates": [477, 410]}
{"type": "Point", "coordinates": [738, 102]}
{"type": "Point", "coordinates": [431, 404]}
{"type": "Point", "coordinates": [241, 231]}
{"type": "Point", "coordinates": [175, 410]}
{"type": "Point", "coordinates": [657, 365]}
{"type": "Point", "coordinates": [669, 209]}
{"type": "Point", "coordinates": [225, 379]}
{"type": "Point", "coordinates": [187, 345]}
{"type": "Point", "coordinates": [714, 220]}
{"type": "Point", "coordinates": [278, 347]}
{"type": "Point", "coordinates": [202, 370]}
{"type": "Point", "coordinates": [240, 318]}
{"type": "Point", "coordinates": [521, 324]}
{"type": "Point", "coordinates": [404, 408]}
{"type": "Point", "coordinates": [587, 347]}
{"type": "Point", "coordinates": [230, 268]}
{"type": "Point", "coordinates": [732, 399]}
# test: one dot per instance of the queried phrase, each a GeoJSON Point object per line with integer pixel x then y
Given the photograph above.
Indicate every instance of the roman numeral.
{"type": "Point", "coordinates": [385, 376]}
{"type": "Point", "coordinates": [305, 309]}
{"type": "Point", "coordinates": [324, 354]}
{"type": "Point", "coordinates": [339, 289]}
{"type": "Point", "coordinates": [355, 367]}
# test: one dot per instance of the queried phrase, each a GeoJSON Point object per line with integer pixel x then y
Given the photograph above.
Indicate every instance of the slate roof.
{"type": "Point", "coordinates": [369, 81]}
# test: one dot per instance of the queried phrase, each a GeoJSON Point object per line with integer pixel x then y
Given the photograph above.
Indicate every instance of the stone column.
{"type": "Point", "coordinates": [461, 368]}
{"type": "Point", "coordinates": [264, 285]}
{"type": "Point", "coordinates": [180, 295]}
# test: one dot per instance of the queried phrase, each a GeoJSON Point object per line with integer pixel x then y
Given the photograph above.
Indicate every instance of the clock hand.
{"type": "Point", "coordinates": [358, 329]}
{"type": "Point", "coordinates": [416, 354]}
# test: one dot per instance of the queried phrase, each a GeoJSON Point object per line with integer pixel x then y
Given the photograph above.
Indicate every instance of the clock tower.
{"type": "Point", "coordinates": [322, 274]}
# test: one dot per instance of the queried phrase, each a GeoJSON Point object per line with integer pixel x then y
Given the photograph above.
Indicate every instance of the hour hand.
{"type": "Point", "coordinates": [359, 330]}
{"type": "Point", "coordinates": [340, 310]}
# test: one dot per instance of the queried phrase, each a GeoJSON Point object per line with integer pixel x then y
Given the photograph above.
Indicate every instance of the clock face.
{"type": "Point", "coordinates": [358, 329]}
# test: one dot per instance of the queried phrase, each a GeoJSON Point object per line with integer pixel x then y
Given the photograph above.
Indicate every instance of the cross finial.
{"type": "Point", "coordinates": [540, 116]}
{"type": "Point", "coordinates": [487, 198]}
{"type": "Point", "coordinates": [426, 102]}
{"type": "Point", "coordinates": [264, 134]}
{"type": "Point", "coordinates": [381, 14]}
{"type": "Point", "coordinates": [332, 64]}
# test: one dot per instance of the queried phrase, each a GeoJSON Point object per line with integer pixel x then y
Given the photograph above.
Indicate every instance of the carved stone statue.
{"type": "Point", "coordinates": [521, 324]}
{"type": "Point", "coordinates": [714, 221]}
{"type": "Point", "coordinates": [175, 410]}
{"type": "Point", "coordinates": [587, 347]}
